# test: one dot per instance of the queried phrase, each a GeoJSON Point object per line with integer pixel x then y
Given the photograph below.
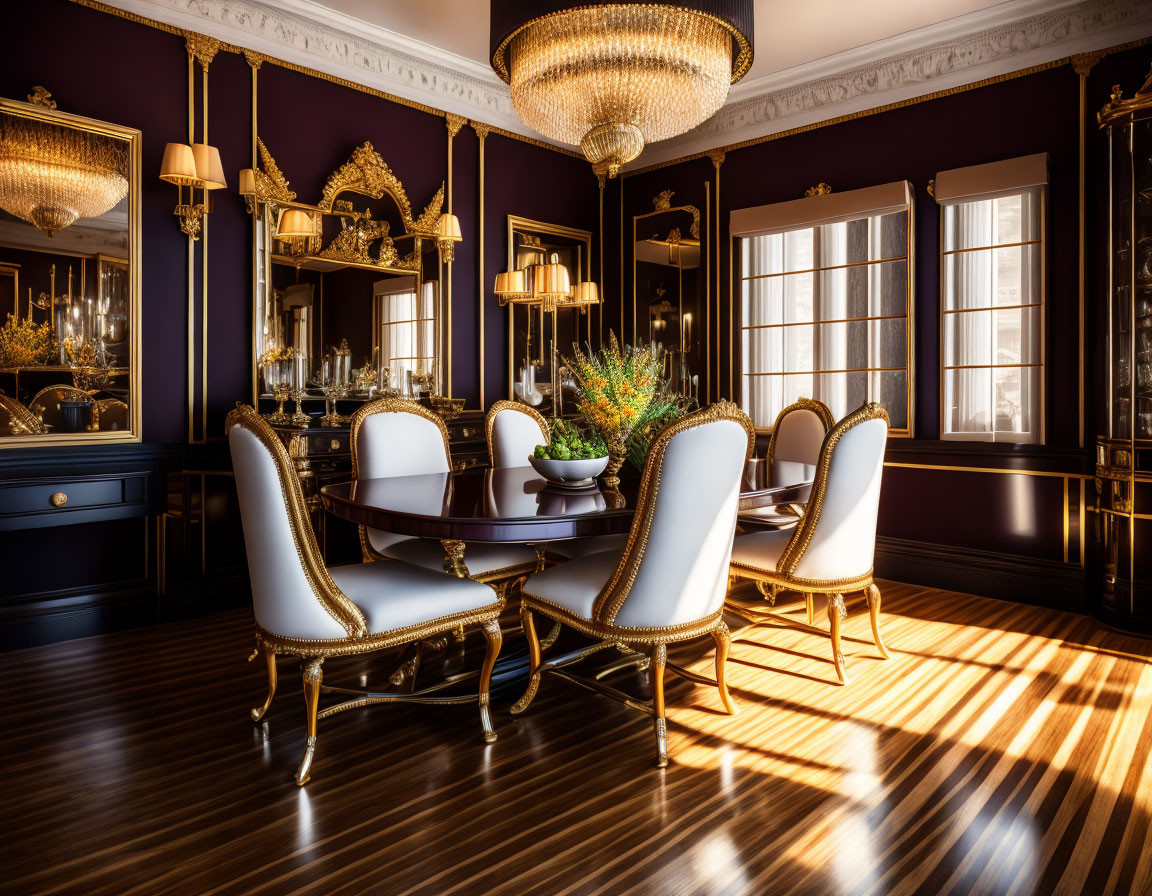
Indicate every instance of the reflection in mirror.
{"type": "Point", "coordinates": [347, 297]}
{"type": "Point", "coordinates": [669, 288]}
{"type": "Point", "coordinates": [69, 271]}
{"type": "Point", "coordinates": [537, 336]}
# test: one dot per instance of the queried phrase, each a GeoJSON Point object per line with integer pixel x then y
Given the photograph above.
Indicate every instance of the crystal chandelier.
{"type": "Point", "coordinates": [613, 77]}
{"type": "Point", "coordinates": [51, 175]}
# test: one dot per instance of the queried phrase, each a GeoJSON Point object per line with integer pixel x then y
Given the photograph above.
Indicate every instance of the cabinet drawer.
{"type": "Point", "coordinates": [32, 503]}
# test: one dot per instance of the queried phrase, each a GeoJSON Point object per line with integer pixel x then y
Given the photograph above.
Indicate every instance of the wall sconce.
{"type": "Point", "coordinates": [584, 294]}
{"type": "Point", "coordinates": [511, 286]}
{"type": "Point", "coordinates": [294, 223]}
{"type": "Point", "coordinates": [551, 283]}
{"type": "Point", "coordinates": [447, 234]}
{"type": "Point", "coordinates": [196, 167]}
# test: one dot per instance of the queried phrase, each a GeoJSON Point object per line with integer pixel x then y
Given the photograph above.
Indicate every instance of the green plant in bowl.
{"type": "Point", "coordinates": [568, 442]}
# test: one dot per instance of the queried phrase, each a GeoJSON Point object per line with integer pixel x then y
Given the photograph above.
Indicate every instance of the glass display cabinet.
{"type": "Point", "coordinates": [1124, 451]}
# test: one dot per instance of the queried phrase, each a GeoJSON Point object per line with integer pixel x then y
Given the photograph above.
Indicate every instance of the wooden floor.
{"type": "Point", "coordinates": [1002, 749]}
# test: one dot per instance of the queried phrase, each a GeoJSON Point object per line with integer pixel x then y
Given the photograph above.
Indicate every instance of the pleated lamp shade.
{"type": "Point", "coordinates": [448, 228]}
{"type": "Point", "coordinates": [247, 182]}
{"type": "Point", "coordinates": [510, 283]}
{"type": "Point", "coordinates": [294, 223]}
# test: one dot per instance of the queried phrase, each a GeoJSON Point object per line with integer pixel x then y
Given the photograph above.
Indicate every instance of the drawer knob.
{"type": "Point", "coordinates": [59, 499]}
{"type": "Point", "coordinates": [334, 445]}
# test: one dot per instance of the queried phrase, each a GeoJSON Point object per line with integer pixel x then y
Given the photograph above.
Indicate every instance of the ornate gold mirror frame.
{"type": "Point", "coordinates": [42, 109]}
{"type": "Point", "coordinates": [366, 174]}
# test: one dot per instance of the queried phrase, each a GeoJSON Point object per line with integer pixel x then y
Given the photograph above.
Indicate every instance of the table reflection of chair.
{"type": "Point", "coordinates": [831, 552]}
{"type": "Point", "coordinates": [668, 584]}
{"type": "Point", "coordinates": [15, 419]}
{"type": "Point", "coordinates": [395, 437]}
{"type": "Point", "coordinates": [313, 612]}
{"type": "Point", "coordinates": [52, 406]}
{"type": "Point", "coordinates": [112, 414]}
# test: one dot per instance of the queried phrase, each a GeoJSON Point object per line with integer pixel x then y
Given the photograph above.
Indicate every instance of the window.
{"type": "Point", "coordinates": [825, 303]}
{"type": "Point", "coordinates": [405, 325]}
{"type": "Point", "coordinates": [992, 296]}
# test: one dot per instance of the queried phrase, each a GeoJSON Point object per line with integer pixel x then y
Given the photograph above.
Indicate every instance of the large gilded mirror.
{"type": "Point", "coordinates": [347, 302]}
{"type": "Point", "coordinates": [541, 332]}
{"type": "Point", "coordinates": [69, 277]}
{"type": "Point", "coordinates": [669, 288]}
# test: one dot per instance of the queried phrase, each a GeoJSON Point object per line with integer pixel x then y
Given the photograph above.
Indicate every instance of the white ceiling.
{"type": "Point", "coordinates": [788, 32]}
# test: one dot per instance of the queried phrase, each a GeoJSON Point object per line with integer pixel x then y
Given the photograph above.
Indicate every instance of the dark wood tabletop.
{"type": "Point", "coordinates": [513, 504]}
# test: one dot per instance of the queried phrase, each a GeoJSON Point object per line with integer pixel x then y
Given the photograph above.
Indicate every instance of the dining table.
{"type": "Point", "coordinates": [516, 504]}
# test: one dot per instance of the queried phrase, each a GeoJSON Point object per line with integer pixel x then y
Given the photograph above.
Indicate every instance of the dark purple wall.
{"type": "Point", "coordinates": [310, 126]}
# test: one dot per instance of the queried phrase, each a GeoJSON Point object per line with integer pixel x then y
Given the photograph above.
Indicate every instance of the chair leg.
{"type": "Point", "coordinates": [768, 592]}
{"type": "Point", "coordinates": [533, 660]}
{"type": "Point", "coordinates": [810, 604]}
{"type": "Point", "coordinates": [313, 676]}
{"type": "Point", "coordinates": [837, 612]}
{"type": "Point", "coordinates": [549, 639]}
{"type": "Point", "coordinates": [270, 662]}
{"type": "Point", "coordinates": [873, 595]}
{"type": "Point", "coordinates": [723, 639]}
{"type": "Point", "coordinates": [656, 670]}
{"type": "Point", "coordinates": [494, 638]}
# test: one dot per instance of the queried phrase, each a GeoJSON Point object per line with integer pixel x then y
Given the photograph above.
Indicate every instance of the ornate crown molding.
{"type": "Point", "coordinates": [1003, 39]}
{"type": "Point", "coordinates": [1006, 38]}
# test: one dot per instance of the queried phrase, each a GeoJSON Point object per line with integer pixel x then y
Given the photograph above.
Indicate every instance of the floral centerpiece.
{"type": "Point", "coordinates": [622, 390]}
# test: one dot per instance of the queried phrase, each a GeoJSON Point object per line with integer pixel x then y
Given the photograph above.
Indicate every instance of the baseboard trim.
{"type": "Point", "coordinates": [1030, 580]}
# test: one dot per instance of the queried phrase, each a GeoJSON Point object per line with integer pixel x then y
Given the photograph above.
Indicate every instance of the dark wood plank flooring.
{"type": "Point", "coordinates": [1002, 749]}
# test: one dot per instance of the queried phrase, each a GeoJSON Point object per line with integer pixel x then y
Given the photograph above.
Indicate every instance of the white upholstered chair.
{"type": "Point", "coordinates": [669, 582]}
{"type": "Point", "coordinates": [394, 437]}
{"type": "Point", "coordinates": [514, 430]}
{"type": "Point", "coordinates": [797, 436]}
{"type": "Point", "coordinates": [306, 610]}
{"type": "Point", "coordinates": [831, 551]}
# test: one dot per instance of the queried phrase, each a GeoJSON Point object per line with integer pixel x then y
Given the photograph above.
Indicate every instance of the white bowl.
{"type": "Point", "coordinates": [569, 470]}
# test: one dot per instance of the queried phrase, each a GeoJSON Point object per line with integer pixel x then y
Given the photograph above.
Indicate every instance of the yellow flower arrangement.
{"type": "Point", "coordinates": [620, 388]}
{"type": "Point", "coordinates": [24, 343]}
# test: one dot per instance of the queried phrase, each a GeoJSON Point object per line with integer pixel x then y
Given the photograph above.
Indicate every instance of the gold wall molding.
{"type": "Point", "coordinates": [202, 48]}
{"type": "Point", "coordinates": [821, 189]}
{"type": "Point", "coordinates": [253, 59]}
{"type": "Point", "coordinates": [482, 132]}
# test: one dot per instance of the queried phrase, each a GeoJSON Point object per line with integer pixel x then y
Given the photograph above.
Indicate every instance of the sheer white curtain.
{"type": "Point", "coordinates": [832, 299]}
{"type": "Point", "coordinates": [405, 329]}
{"type": "Point", "coordinates": [970, 281]}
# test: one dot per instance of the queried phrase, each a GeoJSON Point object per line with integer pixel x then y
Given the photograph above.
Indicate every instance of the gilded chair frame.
{"type": "Point", "coordinates": [814, 405]}
{"type": "Point", "coordinates": [313, 652]}
{"type": "Point", "coordinates": [455, 562]}
{"type": "Point", "coordinates": [20, 419]}
{"type": "Point", "coordinates": [783, 576]}
{"type": "Point", "coordinates": [505, 404]}
{"type": "Point", "coordinates": [649, 643]}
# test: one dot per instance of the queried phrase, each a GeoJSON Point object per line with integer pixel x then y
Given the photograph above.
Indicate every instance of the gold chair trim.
{"type": "Point", "coordinates": [609, 632]}
{"type": "Point", "coordinates": [505, 404]}
{"type": "Point", "coordinates": [309, 647]}
{"type": "Point", "coordinates": [802, 535]}
{"type": "Point", "coordinates": [333, 600]}
{"type": "Point", "coordinates": [813, 405]}
{"type": "Point", "coordinates": [618, 587]}
{"type": "Point", "coordinates": [820, 586]}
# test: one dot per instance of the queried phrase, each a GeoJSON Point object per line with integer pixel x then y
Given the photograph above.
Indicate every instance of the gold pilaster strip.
{"type": "Point", "coordinates": [707, 296]}
{"type": "Point", "coordinates": [601, 182]}
{"type": "Point", "coordinates": [1082, 65]}
{"type": "Point", "coordinates": [482, 131]}
{"type": "Point", "coordinates": [717, 156]}
{"type": "Point", "coordinates": [191, 315]}
{"type": "Point", "coordinates": [1064, 508]}
{"type": "Point", "coordinates": [204, 267]}
{"type": "Point", "coordinates": [454, 123]}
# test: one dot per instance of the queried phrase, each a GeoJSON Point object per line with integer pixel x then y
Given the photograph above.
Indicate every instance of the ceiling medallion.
{"type": "Point", "coordinates": [614, 77]}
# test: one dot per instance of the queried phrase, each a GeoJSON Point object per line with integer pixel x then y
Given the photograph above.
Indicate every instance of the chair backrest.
{"type": "Point", "coordinates": [293, 595]}
{"type": "Point", "coordinates": [111, 414]}
{"type": "Point", "coordinates": [674, 569]}
{"type": "Point", "coordinates": [513, 430]}
{"type": "Point", "coordinates": [836, 538]}
{"type": "Point", "coordinates": [15, 419]}
{"type": "Point", "coordinates": [396, 437]}
{"type": "Point", "coordinates": [799, 431]}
